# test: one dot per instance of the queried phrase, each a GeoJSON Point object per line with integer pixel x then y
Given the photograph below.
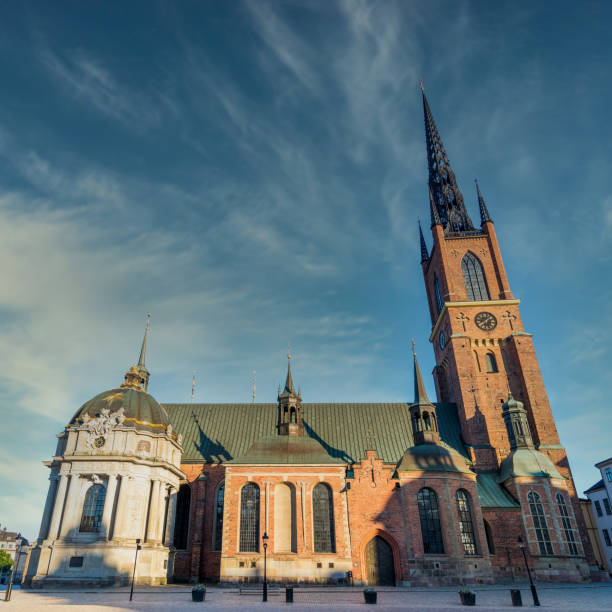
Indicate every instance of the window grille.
{"type": "Point", "coordinates": [606, 537]}
{"type": "Point", "coordinates": [466, 527]}
{"type": "Point", "coordinates": [218, 539]}
{"type": "Point", "coordinates": [606, 503]}
{"type": "Point", "coordinates": [567, 525]}
{"type": "Point", "coordinates": [323, 519]}
{"type": "Point", "coordinates": [429, 515]}
{"type": "Point", "coordinates": [181, 523]}
{"type": "Point", "coordinates": [91, 521]}
{"type": "Point", "coordinates": [439, 300]}
{"type": "Point", "coordinates": [249, 518]}
{"type": "Point", "coordinates": [598, 508]}
{"type": "Point", "coordinates": [539, 522]}
{"type": "Point", "coordinates": [474, 279]}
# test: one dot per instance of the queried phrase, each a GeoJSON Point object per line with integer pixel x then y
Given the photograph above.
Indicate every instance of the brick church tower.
{"type": "Point", "coordinates": [482, 350]}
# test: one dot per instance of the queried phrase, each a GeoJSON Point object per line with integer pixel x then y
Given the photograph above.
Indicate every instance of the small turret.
{"type": "Point", "coordinates": [517, 424]}
{"type": "Point", "coordinates": [422, 411]}
{"type": "Point", "coordinates": [290, 407]}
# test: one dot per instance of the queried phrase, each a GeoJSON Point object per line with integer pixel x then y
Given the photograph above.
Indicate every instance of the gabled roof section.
{"type": "Point", "coordinates": [598, 486]}
{"type": "Point", "coordinates": [221, 432]}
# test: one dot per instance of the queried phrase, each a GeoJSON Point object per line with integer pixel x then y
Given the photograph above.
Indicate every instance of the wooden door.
{"type": "Point", "coordinates": [379, 562]}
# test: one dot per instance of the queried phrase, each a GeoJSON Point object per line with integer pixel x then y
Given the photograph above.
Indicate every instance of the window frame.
{"type": "Point", "coordinates": [474, 278]}
{"type": "Point", "coordinates": [92, 523]}
{"type": "Point", "coordinates": [467, 532]}
{"type": "Point", "coordinates": [248, 536]}
{"type": "Point", "coordinates": [540, 525]}
{"type": "Point", "coordinates": [323, 537]}
{"type": "Point", "coordinates": [430, 522]}
{"type": "Point", "coordinates": [217, 526]}
{"type": "Point", "coordinates": [566, 522]}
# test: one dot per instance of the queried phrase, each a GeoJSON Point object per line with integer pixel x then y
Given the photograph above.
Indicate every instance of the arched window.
{"type": "Point", "coordinates": [218, 518]}
{"type": "Point", "coordinates": [439, 300]}
{"type": "Point", "coordinates": [539, 522]}
{"type": "Point", "coordinates": [91, 520]}
{"type": "Point", "coordinates": [249, 518]}
{"type": "Point", "coordinates": [473, 276]}
{"type": "Point", "coordinates": [181, 522]}
{"type": "Point", "coordinates": [285, 535]}
{"type": "Point", "coordinates": [426, 421]}
{"type": "Point", "coordinates": [489, 536]}
{"type": "Point", "coordinates": [323, 519]}
{"type": "Point", "coordinates": [491, 362]}
{"type": "Point", "coordinates": [570, 538]}
{"type": "Point", "coordinates": [466, 526]}
{"type": "Point", "coordinates": [429, 514]}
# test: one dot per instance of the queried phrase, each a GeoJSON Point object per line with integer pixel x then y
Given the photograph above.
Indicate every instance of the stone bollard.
{"type": "Point", "coordinates": [515, 595]}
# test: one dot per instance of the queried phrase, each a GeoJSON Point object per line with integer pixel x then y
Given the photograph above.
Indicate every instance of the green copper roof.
{"type": "Point", "coordinates": [527, 462]}
{"type": "Point", "coordinates": [286, 449]}
{"type": "Point", "coordinates": [433, 458]}
{"type": "Point", "coordinates": [221, 432]}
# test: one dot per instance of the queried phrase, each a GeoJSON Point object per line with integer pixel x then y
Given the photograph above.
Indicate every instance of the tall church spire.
{"type": "Point", "coordinates": [420, 395]}
{"type": "Point", "coordinates": [484, 212]}
{"type": "Point", "coordinates": [424, 251]}
{"type": "Point", "coordinates": [140, 368]}
{"type": "Point", "coordinates": [447, 198]}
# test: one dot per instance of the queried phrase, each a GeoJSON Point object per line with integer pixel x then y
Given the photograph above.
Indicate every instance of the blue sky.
{"type": "Point", "coordinates": [252, 173]}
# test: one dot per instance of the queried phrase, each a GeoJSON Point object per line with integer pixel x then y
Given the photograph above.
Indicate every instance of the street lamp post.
{"type": "Point", "coordinates": [138, 547]}
{"type": "Point", "coordinates": [9, 586]}
{"type": "Point", "coordinates": [265, 584]}
{"type": "Point", "coordinates": [534, 593]}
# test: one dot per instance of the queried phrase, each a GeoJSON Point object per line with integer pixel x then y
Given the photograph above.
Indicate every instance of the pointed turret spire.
{"type": "Point", "coordinates": [143, 348]}
{"type": "Point", "coordinates": [140, 368]}
{"type": "Point", "coordinates": [420, 395]}
{"type": "Point", "coordinates": [484, 212]}
{"type": "Point", "coordinates": [290, 407]}
{"type": "Point", "coordinates": [424, 251]}
{"type": "Point", "coordinates": [446, 195]}
{"type": "Point", "coordinates": [422, 411]}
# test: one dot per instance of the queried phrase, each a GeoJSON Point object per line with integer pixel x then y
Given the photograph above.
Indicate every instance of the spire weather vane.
{"type": "Point", "coordinates": [193, 386]}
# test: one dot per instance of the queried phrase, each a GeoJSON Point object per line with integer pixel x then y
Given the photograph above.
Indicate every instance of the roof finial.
{"type": "Point", "coordinates": [413, 346]}
{"type": "Point", "coordinates": [484, 212]}
{"type": "Point", "coordinates": [143, 348]}
{"type": "Point", "coordinates": [193, 386]}
{"type": "Point", "coordinates": [421, 85]}
{"type": "Point", "coordinates": [424, 252]}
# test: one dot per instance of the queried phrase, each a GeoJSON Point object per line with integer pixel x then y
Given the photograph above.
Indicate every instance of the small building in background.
{"type": "Point", "coordinates": [600, 496]}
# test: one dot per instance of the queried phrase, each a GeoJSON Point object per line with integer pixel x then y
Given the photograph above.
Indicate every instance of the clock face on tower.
{"type": "Point", "coordinates": [485, 321]}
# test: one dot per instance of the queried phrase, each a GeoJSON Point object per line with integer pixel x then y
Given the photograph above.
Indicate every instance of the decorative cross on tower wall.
{"type": "Point", "coordinates": [463, 318]}
{"type": "Point", "coordinates": [509, 317]}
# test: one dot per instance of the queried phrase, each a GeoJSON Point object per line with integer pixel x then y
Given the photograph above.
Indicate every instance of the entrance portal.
{"type": "Point", "coordinates": [379, 562]}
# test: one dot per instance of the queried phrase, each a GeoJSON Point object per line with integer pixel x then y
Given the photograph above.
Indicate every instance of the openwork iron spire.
{"type": "Point", "coordinates": [447, 198]}
{"type": "Point", "coordinates": [484, 212]}
{"type": "Point", "coordinates": [424, 252]}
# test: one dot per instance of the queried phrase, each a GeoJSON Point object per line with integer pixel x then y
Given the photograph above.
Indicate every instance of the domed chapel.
{"type": "Point", "coordinates": [442, 494]}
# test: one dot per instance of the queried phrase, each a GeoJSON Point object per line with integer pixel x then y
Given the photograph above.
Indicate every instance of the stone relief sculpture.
{"type": "Point", "coordinates": [100, 426]}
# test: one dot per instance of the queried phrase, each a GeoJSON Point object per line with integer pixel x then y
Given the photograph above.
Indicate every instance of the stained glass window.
{"type": "Point", "coordinates": [473, 276]}
{"type": "Point", "coordinates": [323, 519]}
{"type": "Point", "coordinates": [92, 508]}
{"type": "Point", "coordinates": [570, 537]}
{"type": "Point", "coordinates": [539, 522]}
{"type": "Point", "coordinates": [249, 518]}
{"type": "Point", "coordinates": [181, 522]}
{"type": "Point", "coordinates": [218, 533]}
{"type": "Point", "coordinates": [466, 527]}
{"type": "Point", "coordinates": [429, 514]}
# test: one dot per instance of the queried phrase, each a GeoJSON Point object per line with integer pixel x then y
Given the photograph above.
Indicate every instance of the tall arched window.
{"type": "Point", "coordinates": [473, 276]}
{"type": "Point", "coordinates": [323, 519]}
{"type": "Point", "coordinates": [490, 362]}
{"type": "Point", "coordinates": [466, 526]}
{"type": "Point", "coordinates": [429, 514]}
{"type": "Point", "coordinates": [181, 522]}
{"type": "Point", "coordinates": [539, 522]}
{"type": "Point", "coordinates": [439, 300]}
{"type": "Point", "coordinates": [218, 518]}
{"type": "Point", "coordinates": [249, 518]}
{"type": "Point", "coordinates": [570, 538]}
{"type": "Point", "coordinates": [489, 536]}
{"type": "Point", "coordinates": [91, 520]}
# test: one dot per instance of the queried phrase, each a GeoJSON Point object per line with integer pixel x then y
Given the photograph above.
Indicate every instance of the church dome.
{"type": "Point", "coordinates": [433, 458]}
{"type": "Point", "coordinates": [527, 462]}
{"type": "Point", "coordinates": [141, 410]}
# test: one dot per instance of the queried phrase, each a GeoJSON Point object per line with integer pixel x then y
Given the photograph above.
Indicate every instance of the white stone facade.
{"type": "Point", "coordinates": [600, 496]}
{"type": "Point", "coordinates": [139, 468]}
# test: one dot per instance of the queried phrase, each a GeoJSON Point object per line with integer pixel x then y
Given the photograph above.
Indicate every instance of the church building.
{"type": "Point", "coordinates": [411, 493]}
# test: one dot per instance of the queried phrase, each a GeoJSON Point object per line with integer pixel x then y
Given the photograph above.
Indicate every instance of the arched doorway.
{"type": "Point", "coordinates": [379, 562]}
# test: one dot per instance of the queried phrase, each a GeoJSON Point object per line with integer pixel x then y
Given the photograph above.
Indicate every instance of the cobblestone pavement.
{"type": "Point", "coordinates": [581, 598]}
